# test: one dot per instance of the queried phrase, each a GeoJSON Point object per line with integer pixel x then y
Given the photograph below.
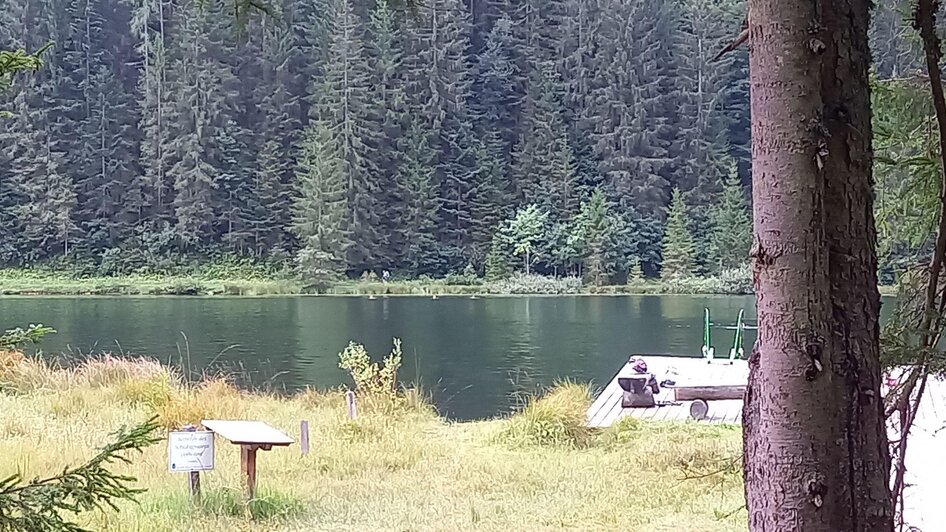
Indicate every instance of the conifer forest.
{"type": "Point", "coordinates": [591, 137]}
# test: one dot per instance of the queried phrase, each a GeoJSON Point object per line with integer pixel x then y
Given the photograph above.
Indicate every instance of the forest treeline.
{"type": "Point", "coordinates": [346, 135]}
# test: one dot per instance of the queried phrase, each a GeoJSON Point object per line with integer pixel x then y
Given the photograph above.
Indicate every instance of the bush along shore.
{"type": "Point", "coordinates": [396, 466]}
{"type": "Point", "coordinates": [42, 282]}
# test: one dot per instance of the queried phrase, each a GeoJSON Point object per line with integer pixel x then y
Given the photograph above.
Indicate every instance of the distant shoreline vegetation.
{"type": "Point", "coordinates": [214, 280]}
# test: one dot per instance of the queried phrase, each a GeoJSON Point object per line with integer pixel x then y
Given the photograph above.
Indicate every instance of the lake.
{"type": "Point", "coordinates": [474, 356]}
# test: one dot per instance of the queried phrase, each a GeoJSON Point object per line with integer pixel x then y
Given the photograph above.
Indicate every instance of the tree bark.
{"type": "Point", "coordinates": [855, 300]}
{"type": "Point", "coordinates": [815, 447]}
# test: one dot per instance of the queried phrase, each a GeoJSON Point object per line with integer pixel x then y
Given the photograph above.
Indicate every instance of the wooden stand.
{"type": "Point", "coordinates": [251, 436]}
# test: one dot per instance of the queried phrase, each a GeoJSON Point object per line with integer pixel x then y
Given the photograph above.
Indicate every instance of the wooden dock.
{"type": "Point", "coordinates": [606, 409]}
{"type": "Point", "coordinates": [926, 469]}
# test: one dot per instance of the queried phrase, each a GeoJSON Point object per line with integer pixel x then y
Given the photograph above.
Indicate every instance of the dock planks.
{"type": "Point", "coordinates": [606, 410]}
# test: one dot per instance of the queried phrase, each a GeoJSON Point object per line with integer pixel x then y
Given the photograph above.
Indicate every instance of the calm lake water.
{"type": "Point", "coordinates": [473, 356]}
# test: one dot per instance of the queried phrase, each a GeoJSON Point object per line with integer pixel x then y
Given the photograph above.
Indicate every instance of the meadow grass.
{"type": "Point", "coordinates": [398, 466]}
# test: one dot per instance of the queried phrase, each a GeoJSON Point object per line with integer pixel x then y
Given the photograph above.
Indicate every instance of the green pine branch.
{"type": "Point", "coordinates": [44, 504]}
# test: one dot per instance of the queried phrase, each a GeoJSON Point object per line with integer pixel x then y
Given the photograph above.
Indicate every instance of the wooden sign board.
{"type": "Point", "coordinates": [190, 451]}
{"type": "Point", "coordinates": [247, 432]}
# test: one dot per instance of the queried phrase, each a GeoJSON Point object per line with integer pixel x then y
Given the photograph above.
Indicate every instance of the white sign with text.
{"type": "Point", "coordinates": [190, 451]}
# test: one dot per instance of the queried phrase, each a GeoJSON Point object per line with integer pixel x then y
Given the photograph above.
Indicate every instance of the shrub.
{"type": "Point", "coordinates": [536, 284]}
{"type": "Point", "coordinates": [369, 377]}
{"type": "Point", "coordinates": [557, 419]}
{"type": "Point", "coordinates": [16, 338]}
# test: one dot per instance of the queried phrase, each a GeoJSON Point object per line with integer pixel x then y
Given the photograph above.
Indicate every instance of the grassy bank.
{"type": "Point", "coordinates": [40, 282]}
{"type": "Point", "coordinates": [397, 467]}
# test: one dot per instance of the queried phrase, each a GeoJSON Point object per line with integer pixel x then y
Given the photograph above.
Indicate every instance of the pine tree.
{"type": "Point", "coordinates": [270, 210]}
{"type": "Point", "coordinates": [732, 225]}
{"type": "Point", "coordinates": [629, 102]}
{"type": "Point", "coordinates": [592, 236]}
{"type": "Point", "coordinates": [678, 247]}
{"type": "Point", "coordinates": [387, 109]}
{"type": "Point", "coordinates": [545, 170]}
{"type": "Point", "coordinates": [148, 197]}
{"type": "Point", "coordinates": [419, 220]}
{"type": "Point", "coordinates": [341, 102]}
{"type": "Point", "coordinates": [497, 264]}
{"type": "Point", "coordinates": [320, 209]}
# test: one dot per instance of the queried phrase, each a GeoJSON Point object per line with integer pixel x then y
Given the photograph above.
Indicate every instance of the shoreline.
{"type": "Point", "coordinates": [60, 285]}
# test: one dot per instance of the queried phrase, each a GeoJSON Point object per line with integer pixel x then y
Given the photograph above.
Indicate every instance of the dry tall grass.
{"type": "Point", "coordinates": [394, 468]}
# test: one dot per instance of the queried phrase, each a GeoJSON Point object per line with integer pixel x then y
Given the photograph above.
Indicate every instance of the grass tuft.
{"type": "Point", "coordinates": [556, 419]}
{"type": "Point", "coordinates": [228, 503]}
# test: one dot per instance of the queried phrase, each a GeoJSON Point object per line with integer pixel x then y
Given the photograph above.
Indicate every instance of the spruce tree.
{"type": "Point", "coordinates": [699, 156]}
{"type": "Point", "coordinates": [148, 196]}
{"type": "Point", "coordinates": [498, 88]}
{"type": "Point", "coordinates": [592, 237]}
{"type": "Point", "coordinates": [270, 209]}
{"type": "Point", "coordinates": [545, 170]}
{"type": "Point", "coordinates": [629, 102]}
{"type": "Point", "coordinates": [320, 209]}
{"type": "Point", "coordinates": [420, 217]}
{"type": "Point", "coordinates": [387, 109]}
{"type": "Point", "coordinates": [679, 250]}
{"type": "Point", "coordinates": [341, 101]}
{"type": "Point", "coordinates": [497, 262]}
{"type": "Point", "coordinates": [732, 225]}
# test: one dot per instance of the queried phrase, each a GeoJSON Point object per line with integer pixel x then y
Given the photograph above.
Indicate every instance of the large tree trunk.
{"type": "Point", "coordinates": [815, 450]}
{"type": "Point", "coordinates": [855, 300]}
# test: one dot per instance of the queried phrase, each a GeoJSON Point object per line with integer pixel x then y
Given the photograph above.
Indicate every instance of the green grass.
{"type": "Point", "coordinates": [397, 467]}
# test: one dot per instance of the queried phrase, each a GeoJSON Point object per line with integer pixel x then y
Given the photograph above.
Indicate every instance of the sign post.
{"type": "Point", "coordinates": [191, 451]}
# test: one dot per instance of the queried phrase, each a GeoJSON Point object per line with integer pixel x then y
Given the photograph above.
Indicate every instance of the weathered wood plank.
{"type": "Point", "coordinates": [709, 393]}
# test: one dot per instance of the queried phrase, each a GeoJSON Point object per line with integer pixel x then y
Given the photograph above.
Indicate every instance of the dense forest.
{"type": "Point", "coordinates": [561, 136]}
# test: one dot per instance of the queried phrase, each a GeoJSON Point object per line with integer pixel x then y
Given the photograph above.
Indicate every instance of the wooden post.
{"type": "Point", "coordinates": [248, 467]}
{"type": "Point", "coordinates": [304, 437]}
{"type": "Point", "coordinates": [193, 480]}
{"type": "Point", "coordinates": [350, 400]}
